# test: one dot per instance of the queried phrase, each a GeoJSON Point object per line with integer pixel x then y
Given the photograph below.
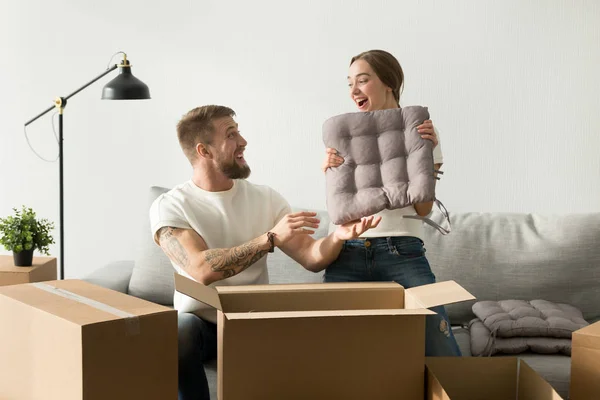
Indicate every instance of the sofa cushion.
{"type": "Point", "coordinates": [498, 256]}
{"type": "Point", "coordinates": [152, 275]}
{"type": "Point", "coordinates": [463, 339]}
{"type": "Point", "coordinates": [282, 269]}
{"type": "Point", "coordinates": [387, 163]}
{"type": "Point", "coordinates": [115, 276]}
{"type": "Point", "coordinates": [210, 367]}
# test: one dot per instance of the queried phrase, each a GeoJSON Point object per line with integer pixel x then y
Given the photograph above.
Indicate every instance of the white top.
{"type": "Point", "coordinates": [224, 220]}
{"type": "Point", "coordinates": [392, 223]}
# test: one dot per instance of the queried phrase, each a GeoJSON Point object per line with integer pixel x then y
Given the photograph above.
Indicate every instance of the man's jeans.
{"type": "Point", "coordinates": [399, 259]}
{"type": "Point", "coordinates": [197, 344]}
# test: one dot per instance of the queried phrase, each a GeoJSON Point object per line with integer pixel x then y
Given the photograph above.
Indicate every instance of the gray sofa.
{"type": "Point", "coordinates": [494, 256]}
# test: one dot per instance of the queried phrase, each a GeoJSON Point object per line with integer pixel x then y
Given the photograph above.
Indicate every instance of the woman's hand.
{"type": "Point", "coordinates": [354, 229]}
{"type": "Point", "coordinates": [427, 131]}
{"type": "Point", "coordinates": [332, 159]}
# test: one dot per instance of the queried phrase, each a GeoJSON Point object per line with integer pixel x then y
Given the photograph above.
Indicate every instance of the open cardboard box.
{"type": "Point", "coordinates": [490, 378]}
{"type": "Point", "coordinates": [322, 340]}
{"type": "Point", "coordinates": [585, 363]}
{"type": "Point", "coordinates": [72, 340]}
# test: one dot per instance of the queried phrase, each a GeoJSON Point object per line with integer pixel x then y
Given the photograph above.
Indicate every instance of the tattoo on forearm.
{"type": "Point", "coordinates": [235, 260]}
{"type": "Point", "coordinates": [170, 244]}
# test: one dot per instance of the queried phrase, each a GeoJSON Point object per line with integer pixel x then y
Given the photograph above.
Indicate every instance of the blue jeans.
{"type": "Point", "coordinates": [400, 259]}
{"type": "Point", "coordinates": [197, 344]}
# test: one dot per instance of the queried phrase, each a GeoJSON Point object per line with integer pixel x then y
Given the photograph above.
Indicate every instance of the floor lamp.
{"type": "Point", "coordinates": [124, 87]}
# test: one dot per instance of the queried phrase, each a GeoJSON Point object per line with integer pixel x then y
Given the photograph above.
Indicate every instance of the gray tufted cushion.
{"type": "Point", "coordinates": [485, 343]}
{"type": "Point", "coordinates": [510, 318]}
{"type": "Point", "coordinates": [387, 163]}
{"type": "Point", "coordinates": [517, 326]}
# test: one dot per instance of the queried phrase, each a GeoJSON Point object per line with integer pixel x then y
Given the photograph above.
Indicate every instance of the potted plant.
{"type": "Point", "coordinates": [23, 232]}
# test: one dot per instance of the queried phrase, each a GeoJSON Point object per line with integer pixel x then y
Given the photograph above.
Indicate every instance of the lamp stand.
{"type": "Point", "coordinates": [61, 108]}
{"type": "Point", "coordinates": [124, 87]}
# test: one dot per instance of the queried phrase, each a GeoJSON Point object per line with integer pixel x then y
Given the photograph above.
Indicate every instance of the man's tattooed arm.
{"type": "Point", "coordinates": [188, 250]}
{"type": "Point", "coordinates": [171, 246]}
{"type": "Point", "coordinates": [230, 262]}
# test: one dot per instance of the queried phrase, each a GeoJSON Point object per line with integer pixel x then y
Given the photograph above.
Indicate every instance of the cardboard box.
{"type": "Point", "coordinates": [490, 378]}
{"type": "Point", "coordinates": [323, 340]}
{"type": "Point", "coordinates": [585, 363]}
{"type": "Point", "coordinates": [42, 269]}
{"type": "Point", "coordinates": [72, 340]}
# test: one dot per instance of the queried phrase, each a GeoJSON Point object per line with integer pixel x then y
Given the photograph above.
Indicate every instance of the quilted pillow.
{"type": "Point", "coordinates": [387, 163]}
{"type": "Point", "coordinates": [516, 326]}
{"type": "Point", "coordinates": [485, 343]}
{"type": "Point", "coordinates": [510, 318]}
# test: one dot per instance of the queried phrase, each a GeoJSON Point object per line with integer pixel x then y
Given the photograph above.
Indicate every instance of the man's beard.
{"type": "Point", "coordinates": [233, 170]}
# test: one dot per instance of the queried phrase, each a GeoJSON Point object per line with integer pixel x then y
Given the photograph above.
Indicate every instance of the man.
{"type": "Point", "coordinates": [217, 229]}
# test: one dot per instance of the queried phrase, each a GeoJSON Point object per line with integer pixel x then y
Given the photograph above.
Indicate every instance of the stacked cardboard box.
{"type": "Point", "coordinates": [42, 269]}
{"type": "Point", "coordinates": [72, 340]}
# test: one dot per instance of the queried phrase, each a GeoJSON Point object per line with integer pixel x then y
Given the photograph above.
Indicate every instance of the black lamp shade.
{"type": "Point", "coordinates": [125, 87]}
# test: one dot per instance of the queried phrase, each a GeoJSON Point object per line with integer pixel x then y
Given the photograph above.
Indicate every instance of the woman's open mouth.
{"type": "Point", "coordinates": [362, 103]}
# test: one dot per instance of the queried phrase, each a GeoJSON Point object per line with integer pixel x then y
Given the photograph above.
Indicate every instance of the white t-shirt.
{"type": "Point", "coordinates": [392, 223]}
{"type": "Point", "coordinates": [224, 220]}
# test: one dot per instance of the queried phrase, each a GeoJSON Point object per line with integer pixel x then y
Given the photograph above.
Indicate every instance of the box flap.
{"type": "Point", "coordinates": [311, 297]}
{"type": "Point", "coordinates": [433, 388]}
{"type": "Point", "coordinates": [198, 291]}
{"type": "Point", "coordinates": [296, 287]}
{"type": "Point", "coordinates": [532, 386]}
{"type": "Point", "coordinates": [588, 337]}
{"type": "Point", "coordinates": [436, 294]}
{"type": "Point", "coordinates": [585, 363]}
{"type": "Point", "coordinates": [490, 378]}
{"type": "Point", "coordinates": [324, 313]}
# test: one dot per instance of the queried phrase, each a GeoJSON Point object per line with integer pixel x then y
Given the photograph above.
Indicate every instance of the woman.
{"type": "Point", "coordinates": [393, 251]}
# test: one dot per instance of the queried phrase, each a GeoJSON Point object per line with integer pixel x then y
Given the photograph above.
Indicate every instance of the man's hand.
{"type": "Point", "coordinates": [354, 229]}
{"type": "Point", "coordinates": [316, 255]}
{"type": "Point", "coordinates": [292, 225]}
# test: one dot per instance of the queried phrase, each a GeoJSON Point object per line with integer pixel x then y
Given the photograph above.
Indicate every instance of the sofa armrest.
{"type": "Point", "coordinates": [115, 275]}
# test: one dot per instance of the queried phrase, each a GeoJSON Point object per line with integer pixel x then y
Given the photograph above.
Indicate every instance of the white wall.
{"type": "Point", "coordinates": [513, 87]}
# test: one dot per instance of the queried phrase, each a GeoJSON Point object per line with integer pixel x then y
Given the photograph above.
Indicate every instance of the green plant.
{"type": "Point", "coordinates": [24, 231]}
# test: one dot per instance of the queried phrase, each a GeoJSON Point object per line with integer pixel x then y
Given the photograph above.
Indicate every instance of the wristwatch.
{"type": "Point", "coordinates": [271, 237]}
